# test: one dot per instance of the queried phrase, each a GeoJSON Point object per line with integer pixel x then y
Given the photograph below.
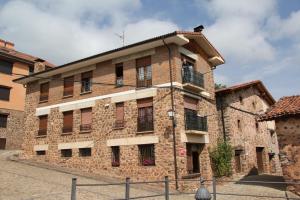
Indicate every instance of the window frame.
{"type": "Point", "coordinates": [144, 72]}
{"type": "Point", "coordinates": [150, 161]}
{"type": "Point", "coordinates": [119, 123]}
{"type": "Point", "coordinates": [119, 79]}
{"type": "Point", "coordinates": [86, 127]}
{"type": "Point", "coordinates": [115, 156]}
{"type": "Point", "coordinates": [66, 153]}
{"type": "Point", "coordinates": [44, 95]}
{"type": "Point", "coordinates": [85, 152]}
{"type": "Point", "coordinates": [145, 118]}
{"type": "Point", "coordinates": [40, 152]}
{"type": "Point", "coordinates": [3, 124]}
{"type": "Point", "coordinates": [68, 89]}
{"type": "Point", "coordinates": [67, 129]}
{"type": "Point", "coordinates": [43, 131]}
{"type": "Point", "coordinates": [6, 71]}
{"type": "Point", "coordinates": [86, 79]}
{"type": "Point", "coordinates": [7, 96]}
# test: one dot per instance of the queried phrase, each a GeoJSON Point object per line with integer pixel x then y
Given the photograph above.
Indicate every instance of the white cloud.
{"type": "Point", "coordinates": [66, 30]}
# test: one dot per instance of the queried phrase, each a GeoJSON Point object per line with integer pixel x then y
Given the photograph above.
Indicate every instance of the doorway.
{"type": "Point", "coordinates": [193, 158]}
{"type": "Point", "coordinates": [259, 158]}
{"type": "Point", "coordinates": [2, 143]}
{"type": "Point", "coordinates": [237, 161]}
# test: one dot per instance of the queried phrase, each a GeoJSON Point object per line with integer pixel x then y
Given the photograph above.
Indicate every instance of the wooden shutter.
{"type": "Point", "coordinates": [141, 103]}
{"type": "Point", "coordinates": [86, 116]}
{"type": "Point", "coordinates": [190, 103]}
{"type": "Point", "coordinates": [189, 158]}
{"type": "Point", "coordinates": [143, 62]}
{"type": "Point", "coordinates": [68, 119]}
{"type": "Point", "coordinates": [43, 122]}
{"type": "Point", "coordinates": [120, 111]}
{"type": "Point", "coordinates": [44, 91]}
{"type": "Point", "coordinates": [68, 85]}
{"type": "Point", "coordinates": [87, 74]}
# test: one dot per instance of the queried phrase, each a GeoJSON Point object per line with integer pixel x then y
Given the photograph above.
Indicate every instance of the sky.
{"type": "Point", "coordinates": [259, 39]}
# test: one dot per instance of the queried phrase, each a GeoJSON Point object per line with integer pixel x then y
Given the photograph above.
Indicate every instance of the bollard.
{"type": "Point", "coordinates": [166, 188]}
{"type": "Point", "coordinates": [214, 188]}
{"type": "Point", "coordinates": [127, 188]}
{"type": "Point", "coordinates": [202, 193]}
{"type": "Point", "coordinates": [73, 189]}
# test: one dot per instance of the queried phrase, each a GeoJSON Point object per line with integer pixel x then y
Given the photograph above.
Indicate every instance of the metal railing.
{"type": "Point", "coordinates": [144, 83]}
{"type": "Point", "coordinates": [44, 97]}
{"type": "Point", "coordinates": [193, 77]}
{"type": "Point", "coordinates": [194, 122]}
{"type": "Point", "coordinates": [119, 81]}
{"type": "Point", "coordinates": [166, 183]}
{"type": "Point", "coordinates": [144, 125]}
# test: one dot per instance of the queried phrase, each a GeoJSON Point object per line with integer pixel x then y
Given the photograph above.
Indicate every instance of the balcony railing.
{"type": "Point", "coordinates": [42, 132]}
{"type": "Point", "coordinates": [194, 122]}
{"type": "Point", "coordinates": [144, 125]}
{"type": "Point", "coordinates": [144, 83]}
{"type": "Point", "coordinates": [85, 127]}
{"type": "Point", "coordinates": [44, 97]}
{"type": "Point", "coordinates": [193, 77]}
{"type": "Point", "coordinates": [67, 129]}
{"type": "Point", "coordinates": [119, 81]}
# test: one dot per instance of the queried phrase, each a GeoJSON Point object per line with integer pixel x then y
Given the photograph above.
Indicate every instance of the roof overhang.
{"type": "Point", "coordinates": [175, 39]}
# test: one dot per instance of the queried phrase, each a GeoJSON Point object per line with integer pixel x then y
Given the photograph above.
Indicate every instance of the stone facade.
{"type": "Point", "coordinates": [103, 118]}
{"type": "Point", "coordinates": [288, 130]}
{"type": "Point", "coordinates": [255, 143]}
{"type": "Point", "coordinates": [13, 133]}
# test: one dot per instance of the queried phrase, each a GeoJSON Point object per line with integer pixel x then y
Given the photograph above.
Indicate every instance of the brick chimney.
{"type": "Point", "coordinates": [7, 44]}
{"type": "Point", "coordinates": [2, 43]}
{"type": "Point", "coordinates": [39, 65]}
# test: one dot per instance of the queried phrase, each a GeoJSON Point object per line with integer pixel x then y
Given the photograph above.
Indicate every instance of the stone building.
{"type": "Point", "coordinates": [13, 64]}
{"type": "Point", "coordinates": [286, 113]}
{"type": "Point", "coordinates": [254, 142]}
{"type": "Point", "coordinates": [108, 113]}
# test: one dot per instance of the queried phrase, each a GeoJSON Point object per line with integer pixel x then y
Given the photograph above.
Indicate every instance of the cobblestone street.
{"type": "Point", "coordinates": [21, 181]}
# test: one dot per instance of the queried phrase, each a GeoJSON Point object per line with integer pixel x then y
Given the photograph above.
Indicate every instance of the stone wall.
{"type": "Point", "coordinates": [13, 133]}
{"type": "Point", "coordinates": [251, 134]}
{"type": "Point", "coordinates": [288, 130]}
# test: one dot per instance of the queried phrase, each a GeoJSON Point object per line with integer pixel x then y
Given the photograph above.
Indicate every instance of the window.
{"type": "Point", "coordinates": [115, 156]}
{"type": "Point", "coordinates": [4, 93]}
{"type": "Point", "coordinates": [41, 153]}
{"type": "Point", "coordinates": [144, 72]}
{"type": "Point", "coordinates": [68, 86]}
{"type": "Point", "coordinates": [6, 67]}
{"type": "Point", "coordinates": [188, 70]}
{"type": "Point", "coordinates": [31, 70]}
{"type": "Point", "coordinates": [43, 125]}
{"type": "Point", "coordinates": [86, 119]}
{"type": "Point", "coordinates": [147, 155]}
{"type": "Point", "coordinates": [84, 152]}
{"type": "Point", "coordinates": [44, 92]}
{"type": "Point", "coordinates": [86, 82]}
{"type": "Point", "coordinates": [3, 120]}
{"type": "Point", "coordinates": [241, 100]}
{"type": "Point", "coordinates": [119, 115]}
{"type": "Point", "coordinates": [239, 124]}
{"type": "Point", "coordinates": [68, 122]}
{"type": "Point", "coordinates": [145, 115]}
{"type": "Point", "coordinates": [66, 153]}
{"type": "Point", "coordinates": [257, 126]}
{"type": "Point", "coordinates": [193, 158]}
{"type": "Point", "coordinates": [119, 74]}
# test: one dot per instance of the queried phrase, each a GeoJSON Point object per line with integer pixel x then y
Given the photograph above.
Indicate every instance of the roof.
{"type": "Point", "coordinates": [256, 83]}
{"type": "Point", "coordinates": [22, 57]}
{"type": "Point", "coordinates": [286, 106]}
{"type": "Point", "coordinates": [181, 38]}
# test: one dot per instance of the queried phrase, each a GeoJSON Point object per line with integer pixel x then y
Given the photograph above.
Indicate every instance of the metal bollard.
{"type": "Point", "coordinates": [73, 189]}
{"type": "Point", "coordinates": [202, 193]}
{"type": "Point", "coordinates": [214, 188]}
{"type": "Point", "coordinates": [167, 188]}
{"type": "Point", "coordinates": [127, 189]}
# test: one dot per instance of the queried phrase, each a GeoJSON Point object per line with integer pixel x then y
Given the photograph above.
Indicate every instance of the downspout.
{"type": "Point", "coordinates": [222, 117]}
{"type": "Point", "coordinates": [173, 118]}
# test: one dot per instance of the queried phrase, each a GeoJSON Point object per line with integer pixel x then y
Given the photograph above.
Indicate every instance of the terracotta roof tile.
{"type": "Point", "coordinates": [286, 106]}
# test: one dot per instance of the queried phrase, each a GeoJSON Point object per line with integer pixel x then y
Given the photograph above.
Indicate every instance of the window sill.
{"type": "Point", "coordinates": [190, 176]}
{"type": "Point", "coordinates": [84, 132]}
{"type": "Point", "coordinates": [87, 92]}
{"type": "Point", "coordinates": [40, 136]}
{"type": "Point", "coordinates": [118, 128]}
{"type": "Point", "coordinates": [144, 132]}
{"type": "Point", "coordinates": [148, 165]}
{"type": "Point", "coordinates": [67, 96]}
{"type": "Point", "coordinates": [44, 101]}
{"type": "Point", "coordinates": [68, 133]}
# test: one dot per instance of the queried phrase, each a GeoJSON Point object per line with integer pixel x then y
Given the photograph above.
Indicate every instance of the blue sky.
{"type": "Point", "coordinates": [260, 39]}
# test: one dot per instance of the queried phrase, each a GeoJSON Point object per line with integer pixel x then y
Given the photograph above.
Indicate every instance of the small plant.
{"type": "Point", "coordinates": [221, 156]}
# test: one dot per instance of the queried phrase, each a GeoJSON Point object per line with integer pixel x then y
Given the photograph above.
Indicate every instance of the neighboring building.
{"type": "Point", "coordinates": [286, 113]}
{"type": "Point", "coordinates": [108, 113]}
{"type": "Point", "coordinates": [13, 64]}
{"type": "Point", "coordinates": [255, 143]}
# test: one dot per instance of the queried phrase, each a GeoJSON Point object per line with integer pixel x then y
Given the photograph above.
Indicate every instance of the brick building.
{"type": "Point", "coordinates": [286, 113]}
{"type": "Point", "coordinates": [254, 142]}
{"type": "Point", "coordinates": [13, 64]}
{"type": "Point", "coordinates": [108, 113]}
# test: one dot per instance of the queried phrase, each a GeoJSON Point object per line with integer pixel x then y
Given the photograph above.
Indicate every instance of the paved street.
{"type": "Point", "coordinates": [25, 182]}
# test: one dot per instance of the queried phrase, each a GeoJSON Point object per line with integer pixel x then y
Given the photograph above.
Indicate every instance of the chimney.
{"type": "Point", "coordinates": [9, 45]}
{"type": "Point", "coordinates": [2, 43]}
{"type": "Point", "coordinates": [39, 65]}
{"type": "Point", "coordinates": [199, 28]}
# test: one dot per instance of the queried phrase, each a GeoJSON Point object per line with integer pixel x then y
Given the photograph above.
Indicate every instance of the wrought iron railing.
{"type": "Point", "coordinates": [119, 81]}
{"type": "Point", "coordinates": [144, 83]}
{"type": "Point", "coordinates": [144, 124]}
{"type": "Point", "coordinates": [194, 122]}
{"type": "Point", "coordinates": [193, 77]}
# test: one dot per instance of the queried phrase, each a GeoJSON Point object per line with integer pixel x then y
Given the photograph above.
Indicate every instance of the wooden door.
{"type": "Point", "coordinates": [259, 157]}
{"type": "Point", "coordinates": [237, 162]}
{"type": "Point", "coordinates": [2, 143]}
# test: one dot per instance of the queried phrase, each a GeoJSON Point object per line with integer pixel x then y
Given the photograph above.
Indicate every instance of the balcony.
{"type": "Point", "coordinates": [195, 124]}
{"type": "Point", "coordinates": [192, 80]}
{"type": "Point", "coordinates": [144, 125]}
{"type": "Point", "coordinates": [144, 83]}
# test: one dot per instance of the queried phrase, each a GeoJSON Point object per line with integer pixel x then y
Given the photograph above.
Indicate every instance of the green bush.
{"type": "Point", "coordinates": [221, 156]}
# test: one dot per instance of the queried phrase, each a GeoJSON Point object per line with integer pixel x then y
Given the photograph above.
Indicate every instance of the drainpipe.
{"type": "Point", "coordinates": [173, 118]}
{"type": "Point", "coordinates": [223, 120]}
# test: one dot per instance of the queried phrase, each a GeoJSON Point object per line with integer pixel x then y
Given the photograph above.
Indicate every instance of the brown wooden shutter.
{"type": "Point", "coordinates": [87, 74]}
{"type": "Point", "coordinates": [68, 119]}
{"type": "Point", "coordinates": [143, 62]}
{"type": "Point", "coordinates": [45, 88]}
{"type": "Point", "coordinates": [120, 111]}
{"type": "Point", "coordinates": [141, 103]}
{"type": "Point", "coordinates": [86, 116]}
{"type": "Point", "coordinates": [43, 122]}
{"type": "Point", "coordinates": [190, 103]}
{"type": "Point", "coordinates": [189, 158]}
{"type": "Point", "coordinates": [68, 85]}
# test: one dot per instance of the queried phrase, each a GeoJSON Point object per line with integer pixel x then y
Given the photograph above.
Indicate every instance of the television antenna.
{"type": "Point", "coordinates": [122, 37]}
